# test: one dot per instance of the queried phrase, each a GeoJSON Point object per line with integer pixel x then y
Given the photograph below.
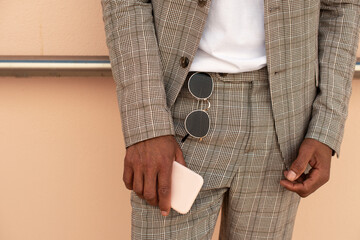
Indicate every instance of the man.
{"type": "Point", "coordinates": [282, 74]}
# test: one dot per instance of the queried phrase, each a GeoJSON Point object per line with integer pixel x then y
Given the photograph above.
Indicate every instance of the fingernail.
{"type": "Point", "coordinates": [291, 175]}
{"type": "Point", "coordinates": [164, 213]}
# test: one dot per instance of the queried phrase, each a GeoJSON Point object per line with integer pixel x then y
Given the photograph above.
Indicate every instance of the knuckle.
{"type": "Point", "coordinates": [167, 160]}
{"type": "Point", "coordinates": [149, 196]}
{"type": "Point", "coordinates": [297, 167]}
{"type": "Point", "coordinates": [163, 209]}
{"type": "Point", "coordinates": [150, 169]}
{"type": "Point", "coordinates": [164, 191]}
{"type": "Point", "coordinates": [139, 163]}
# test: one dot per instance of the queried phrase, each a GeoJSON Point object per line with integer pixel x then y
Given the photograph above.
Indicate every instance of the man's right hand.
{"type": "Point", "coordinates": [148, 168]}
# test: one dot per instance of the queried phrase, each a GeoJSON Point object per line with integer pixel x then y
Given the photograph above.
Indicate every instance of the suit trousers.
{"type": "Point", "coordinates": [240, 162]}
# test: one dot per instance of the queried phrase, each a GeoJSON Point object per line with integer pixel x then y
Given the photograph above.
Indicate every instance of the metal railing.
{"type": "Point", "coordinates": [24, 66]}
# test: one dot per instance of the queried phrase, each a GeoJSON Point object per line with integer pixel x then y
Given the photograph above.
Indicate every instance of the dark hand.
{"type": "Point", "coordinates": [318, 155]}
{"type": "Point", "coordinates": [148, 168]}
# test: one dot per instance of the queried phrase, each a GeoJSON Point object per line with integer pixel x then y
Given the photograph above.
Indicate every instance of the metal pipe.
{"type": "Point", "coordinates": [65, 66]}
{"type": "Point", "coordinates": [70, 63]}
{"type": "Point", "coordinates": [25, 66]}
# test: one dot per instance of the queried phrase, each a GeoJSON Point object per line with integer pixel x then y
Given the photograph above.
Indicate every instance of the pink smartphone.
{"type": "Point", "coordinates": [185, 186]}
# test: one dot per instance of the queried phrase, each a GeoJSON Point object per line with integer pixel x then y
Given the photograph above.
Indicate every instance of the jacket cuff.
{"type": "Point", "coordinates": [333, 151]}
{"type": "Point", "coordinates": [326, 131]}
{"type": "Point", "coordinates": [145, 123]}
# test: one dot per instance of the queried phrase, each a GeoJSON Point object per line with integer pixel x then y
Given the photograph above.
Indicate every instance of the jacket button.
{"type": "Point", "coordinates": [184, 62]}
{"type": "Point", "coordinates": [201, 3]}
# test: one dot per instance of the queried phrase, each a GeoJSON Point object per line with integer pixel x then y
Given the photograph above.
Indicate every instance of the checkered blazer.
{"type": "Point", "coordinates": [311, 53]}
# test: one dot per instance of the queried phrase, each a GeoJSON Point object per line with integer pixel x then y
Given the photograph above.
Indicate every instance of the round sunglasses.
{"type": "Point", "coordinates": [197, 122]}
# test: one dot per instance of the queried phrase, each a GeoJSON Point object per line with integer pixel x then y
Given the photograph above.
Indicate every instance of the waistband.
{"type": "Point", "coordinates": [255, 75]}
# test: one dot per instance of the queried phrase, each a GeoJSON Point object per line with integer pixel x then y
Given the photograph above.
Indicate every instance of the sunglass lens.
{"type": "Point", "coordinates": [201, 85]}
{"type": "Point", "coordinates": [197, 123]}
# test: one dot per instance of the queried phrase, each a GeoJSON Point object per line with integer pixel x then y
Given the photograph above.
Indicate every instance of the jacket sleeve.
{"type": "Point", "coordinates": [338, 41]}
{"type": "Point", "coordinates": [136, 69]}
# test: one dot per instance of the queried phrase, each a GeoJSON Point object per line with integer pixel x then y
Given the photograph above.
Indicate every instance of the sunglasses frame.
{"type": "Point", "coordinates": [196, 110]}
{"type": "Point", "coordinates": [212, 86]}
{"type": "Point", "coordinates": [200, 99]}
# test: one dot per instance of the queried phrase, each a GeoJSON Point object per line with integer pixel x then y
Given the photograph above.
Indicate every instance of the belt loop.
{"type": "Point", "coordinates": [223, 74]}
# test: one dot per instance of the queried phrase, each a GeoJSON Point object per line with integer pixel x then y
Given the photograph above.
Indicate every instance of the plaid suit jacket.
{"type": "Point", "coordinates": [311, 53]}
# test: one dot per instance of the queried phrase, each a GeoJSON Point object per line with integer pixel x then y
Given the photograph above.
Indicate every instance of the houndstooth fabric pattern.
{"type": "Point", "coordinates": [241, 163]}
{"type": "Point", "coordinates": [310, 48]}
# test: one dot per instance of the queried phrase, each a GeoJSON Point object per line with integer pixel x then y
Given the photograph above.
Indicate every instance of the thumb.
{"type": "Point", "coordinates": [179, 157]}
{"type": "Point", "coordinates": [298, 166]}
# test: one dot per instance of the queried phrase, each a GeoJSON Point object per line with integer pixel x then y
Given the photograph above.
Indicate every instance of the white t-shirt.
{"type": "Point", "coordinates": [233, 39]}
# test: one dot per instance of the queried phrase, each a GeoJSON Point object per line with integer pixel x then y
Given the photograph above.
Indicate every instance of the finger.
{"type": "Point", "coordinates": [128, 176]}
{"type": "Point", "coordinates": [179, 157]}
{"type": "Point", "coordinates": [299, 164]}
{"type": "Point", "coordinates": [138, 183]}
{"type": "Point", "coordinates": [305, 188]}
{"type": "Point", "coordinates": [300, 179]}
{"type": "Point", "coordinates": [164, 189]}
{"type": "Point", "coordinates": [150, 193]}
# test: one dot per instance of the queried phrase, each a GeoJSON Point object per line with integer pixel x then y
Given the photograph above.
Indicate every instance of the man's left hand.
{"type": "Point", "coordinates": [318, 155]}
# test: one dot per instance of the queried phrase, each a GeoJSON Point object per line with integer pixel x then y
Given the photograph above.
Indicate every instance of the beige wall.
{"type": "Point", "coordinates": [61, 146]}
{"type": "Point", "coordinates": [51, 27]}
